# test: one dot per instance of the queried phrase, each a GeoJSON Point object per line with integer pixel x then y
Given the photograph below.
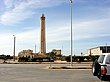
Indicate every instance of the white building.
{"type": "Point", "coordinates": [26, 53]}
{"type": "Point", "coordinates": [98, 50]}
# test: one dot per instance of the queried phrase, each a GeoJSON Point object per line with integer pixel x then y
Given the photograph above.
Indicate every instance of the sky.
{"type": "Point", "coordinates": [91, 21]}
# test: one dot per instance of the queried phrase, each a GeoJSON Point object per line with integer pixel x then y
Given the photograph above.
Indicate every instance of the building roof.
{"type": "Point", "coordinates": [99, 47]}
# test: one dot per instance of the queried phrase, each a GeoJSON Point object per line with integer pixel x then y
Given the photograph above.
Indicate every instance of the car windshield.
{"type": "Point", "coordinates": [101, 58]}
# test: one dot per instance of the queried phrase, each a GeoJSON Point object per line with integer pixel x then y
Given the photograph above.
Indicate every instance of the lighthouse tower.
{"type": "Point", "coordinates": [42, 35]}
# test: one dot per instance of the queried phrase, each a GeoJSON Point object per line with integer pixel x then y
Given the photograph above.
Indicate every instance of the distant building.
{"type": "Point", "coordinates": [98, 50]}
{"type": "Point", "coordinates": [58, 52]}
{"type": "Point", "coordinates": [27, 53]}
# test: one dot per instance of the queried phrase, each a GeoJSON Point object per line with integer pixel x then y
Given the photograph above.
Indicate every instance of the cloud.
{"type": "Point", "coordinates": [24, 40]}
{"type": "Point", "coordinates": [14, 17]}
{"type": "Point", "coordinates": [91, 29]}
{"type": "Point", "coordinates": [28, 36]}
{"type": "Point", "coordinates": [8, 4]}
{"type": "Point", "coordinates": [61, 32]}
{"type": "Point", "coordinates": [81, 30]}
{"type": "Point", "coordinates": [6, 43]}
{"type": "Point", "coordinates": [21, 10]}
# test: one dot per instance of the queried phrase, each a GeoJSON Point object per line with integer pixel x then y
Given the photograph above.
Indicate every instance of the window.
{"type": "Point", "coordinates": [108, 59]}
{"type": "Point", "coordinates": [101, 58]}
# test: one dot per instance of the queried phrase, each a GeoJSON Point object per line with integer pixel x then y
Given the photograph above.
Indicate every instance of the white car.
{"type": "Point", "coordinates": [101, 67]}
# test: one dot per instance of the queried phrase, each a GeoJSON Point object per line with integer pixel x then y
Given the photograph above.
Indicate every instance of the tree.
{"type": "Point", "coordinates": [5, 57]}
{"type": "Point", "coordinates": [23, 59]}
{"type": "Point", "coordinates": [52, 56]}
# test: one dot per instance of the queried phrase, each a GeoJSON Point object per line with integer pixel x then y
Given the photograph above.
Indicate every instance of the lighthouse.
{"type": "Point", "coordinates": [42, 35]}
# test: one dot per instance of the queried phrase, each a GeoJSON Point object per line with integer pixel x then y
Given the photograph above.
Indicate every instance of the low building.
{"type": "Point", "coordinates": [98, 50]}
{"type": "Point", "coordinates": [26, 53]}
{"type": "Point", "coordinates": [58, 52]}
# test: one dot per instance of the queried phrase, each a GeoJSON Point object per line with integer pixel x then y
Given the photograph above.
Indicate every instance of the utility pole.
{"type": "Point", "coordinates": [35, 48]}
{"type": "Point", "coordinates": [14, 48]}
{"type": "Point", "coordinates": [106, 47]}
{"type": "Point", "coordinates": [62, 50]}
{"type": "Point", "coordinates": [71, 32]}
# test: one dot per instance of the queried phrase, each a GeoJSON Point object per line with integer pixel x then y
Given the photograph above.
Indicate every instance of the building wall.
{"type": "Point", "coordinates": [98, 50]}
{"type": "Point", "coordinates": [26, 53]}
{"type": "Point", "coordinates": [94, 51]}
{"type": "Point", "coordinates": [58, 52]}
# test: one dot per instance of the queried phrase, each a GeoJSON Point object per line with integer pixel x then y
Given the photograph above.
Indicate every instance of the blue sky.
{"type": "Point", "coordinates": [91, 21]}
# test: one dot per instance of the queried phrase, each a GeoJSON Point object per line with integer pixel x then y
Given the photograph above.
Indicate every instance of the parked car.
{"type": "Point", "coordinates": [101, 67]}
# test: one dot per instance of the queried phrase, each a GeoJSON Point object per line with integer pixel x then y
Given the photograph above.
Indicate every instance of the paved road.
{"type": "Point", "coordinates": [39, 73]}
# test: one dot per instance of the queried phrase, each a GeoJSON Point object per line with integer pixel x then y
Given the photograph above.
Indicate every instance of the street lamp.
{"type": "Point", "coordinates": [71, 31]}
{"type": "Point", "coordinates": [14, 48]}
